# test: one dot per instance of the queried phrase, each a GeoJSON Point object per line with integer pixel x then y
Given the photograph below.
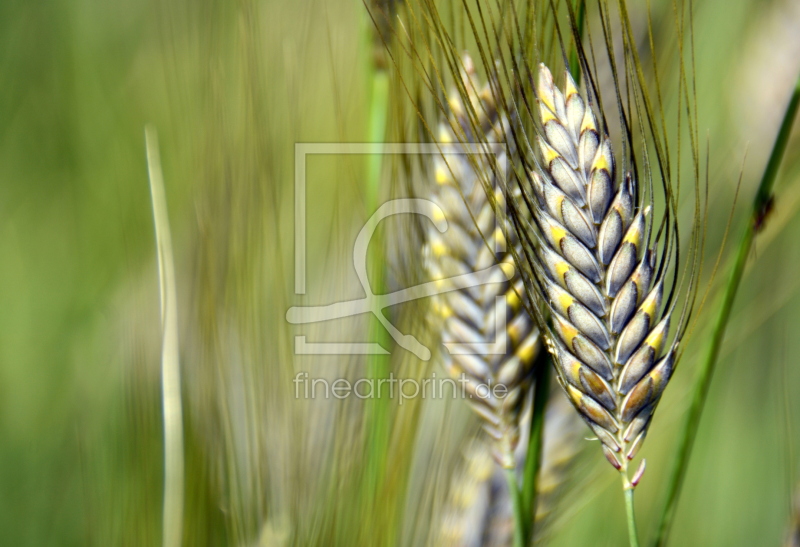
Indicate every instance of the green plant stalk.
{"type": "Point", "coordinates": [377, 411]}
{"type": "Point", "coordinates": [520, 522]}
{"type": "Point", "coordinates": [530, 477]}
{"type": "Point", "coordinates": [377, 365]}
{"type": "Point", "coordinates": [759, 209]}
{"type": "Point", "coordinates": [627, 490]}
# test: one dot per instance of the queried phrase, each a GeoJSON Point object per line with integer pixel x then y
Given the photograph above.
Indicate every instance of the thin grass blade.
{"type": "Point", "coordinates": [170, 360]}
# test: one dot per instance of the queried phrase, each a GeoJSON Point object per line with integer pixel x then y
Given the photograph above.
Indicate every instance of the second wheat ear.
{"type": "Point", "coordinates": [474, 241]}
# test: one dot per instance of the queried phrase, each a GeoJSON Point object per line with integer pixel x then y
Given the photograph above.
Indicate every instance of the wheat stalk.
{"type": "Point", "coordinates": [471, 243]}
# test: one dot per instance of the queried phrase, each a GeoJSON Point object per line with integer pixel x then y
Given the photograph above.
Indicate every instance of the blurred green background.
{"type": "Point", "coordinates": [231, 87]}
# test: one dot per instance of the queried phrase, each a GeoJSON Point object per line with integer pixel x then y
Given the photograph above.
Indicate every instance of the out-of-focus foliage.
{"type": "Point", "coordinates": [231, 88]}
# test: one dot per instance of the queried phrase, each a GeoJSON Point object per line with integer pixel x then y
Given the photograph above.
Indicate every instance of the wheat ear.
{"type": "Point", "coordinates": [598, 269]}
{"type": "Point", "coordinates": [470, 244]}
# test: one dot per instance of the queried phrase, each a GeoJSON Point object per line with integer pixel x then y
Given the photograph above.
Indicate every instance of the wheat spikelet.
{"type": "Point", "coordinates": [598, 269]}
{"type": "Point", "coordinates": [470, 244]}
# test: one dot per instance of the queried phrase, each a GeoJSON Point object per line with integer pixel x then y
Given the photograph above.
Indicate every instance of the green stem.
{"type": "Point", "coordinates": [377, 414]}
{"type": "Point", "coordinates": [627, 489]}
{"type": "Point", "coordinates": [760, 204]}
{"type": "Point", "coordinates": [377, 365]}
{"type": "Point", "coordinates": [533, 462]}
{"type": "Point", "coordinates": [520, 522]}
